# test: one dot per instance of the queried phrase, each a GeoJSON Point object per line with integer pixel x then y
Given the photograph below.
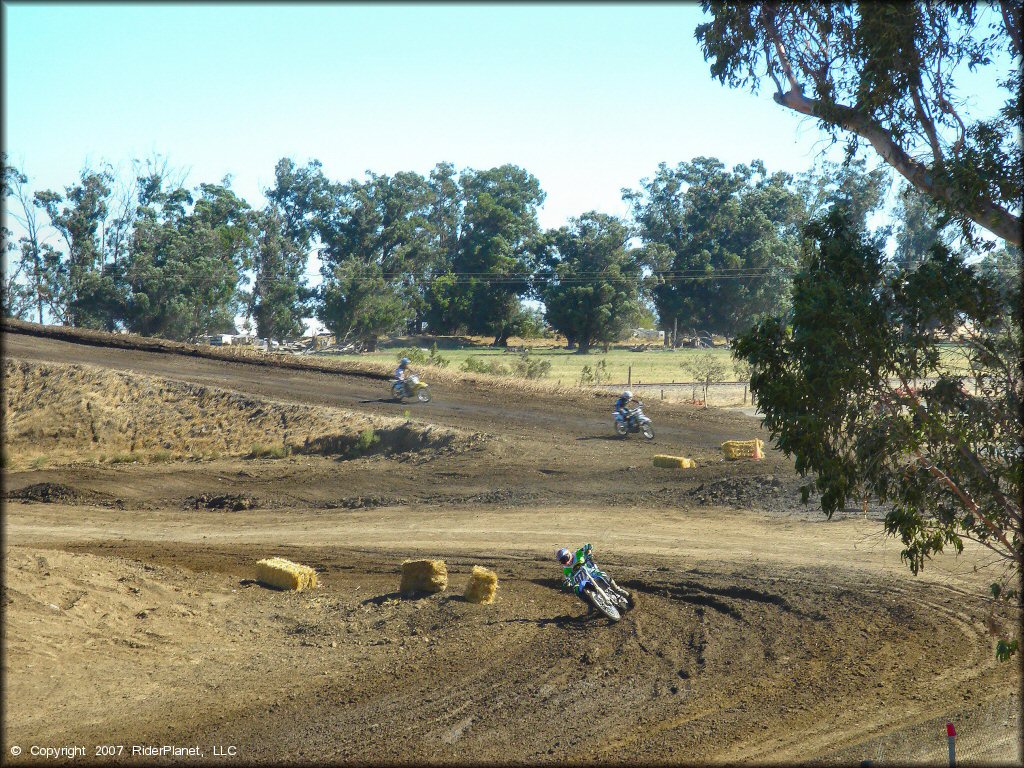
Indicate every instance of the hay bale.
{"type": "Point", "coordinates": [674, 462]}
{"type": "Point", "coordinates": [284, 574]}
{"type": "Point", "coordinates": [482, 586]}
{"type": "Point", "coordinates": [743, 449]}
{"type": "Point", "coordinates": [423, 576]}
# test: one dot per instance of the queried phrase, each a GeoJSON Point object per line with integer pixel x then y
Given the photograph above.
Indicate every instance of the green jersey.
{"type": "Point", "coordinates": [577, 560]}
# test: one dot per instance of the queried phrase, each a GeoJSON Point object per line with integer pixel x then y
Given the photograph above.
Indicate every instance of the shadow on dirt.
{"type": "Point", "coordinates": [615, 438]}
{"type": "Point", "coordinates": [381, 599]}
{"type": "Point", "coordinates": [709, 597]}
{"type": "Point", "coordinates": [566, 622]}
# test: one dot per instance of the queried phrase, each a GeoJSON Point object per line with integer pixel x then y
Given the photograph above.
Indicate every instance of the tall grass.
{"type": "Point", "coordinates": [261, 451]}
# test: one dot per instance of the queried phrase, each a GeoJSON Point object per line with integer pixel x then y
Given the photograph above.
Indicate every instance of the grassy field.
{"type": "Point", "coordinates": [618, 366]}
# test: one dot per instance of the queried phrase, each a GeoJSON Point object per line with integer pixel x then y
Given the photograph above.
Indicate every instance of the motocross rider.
{"type": "Point", "coordinates": [622, 406]}
{"type": "Point", "coordinates": [402, 371]}
{"type": "Point", "coordinates": [570, 562]}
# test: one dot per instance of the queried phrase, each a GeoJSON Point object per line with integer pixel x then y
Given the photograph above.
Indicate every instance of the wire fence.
{"type": "Point", "coordinates": [719, 393]}
{"type": "Point", "coordinates": [986, 735]}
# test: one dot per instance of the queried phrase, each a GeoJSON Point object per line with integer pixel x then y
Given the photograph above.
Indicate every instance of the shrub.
{"type": "Point", "coordinates": [530, 368]}
{"type": "Point", "coordinates": [419, 356]}
{"type": "Point", "coordinates": [366, 440]}
{"type": "Point", "coordinates": [474, 364]}
{"type": "Point", "coordinates": [415, 355]}
{"type": "Point", "coordinates": [260, 451]}
{"type": "Point", "coordinates": [436, 359]}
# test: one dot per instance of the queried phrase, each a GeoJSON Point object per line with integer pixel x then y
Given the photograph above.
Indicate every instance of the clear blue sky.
{"type": "Point", "coordinates": [589, 98]}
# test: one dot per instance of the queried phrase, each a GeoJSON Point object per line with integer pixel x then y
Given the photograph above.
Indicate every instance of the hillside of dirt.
{"type": "Point", "coordinates": [763, 632]}
{"type": "Point", "coordinates": [56, 413]}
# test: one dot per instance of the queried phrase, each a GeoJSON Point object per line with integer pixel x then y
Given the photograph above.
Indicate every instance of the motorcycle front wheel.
{"type": "Point", "coordinates": [604, 606]}
{"type": "Point", "coordinates": [648, 431]}
{"type": "Point", "coordinates": [423, 395]}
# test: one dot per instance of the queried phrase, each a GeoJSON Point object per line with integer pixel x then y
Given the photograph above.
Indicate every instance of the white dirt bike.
{"type": "Point", "coordinates": [411, 387]}
{"type": "Point", "coordinates": [634, 421]}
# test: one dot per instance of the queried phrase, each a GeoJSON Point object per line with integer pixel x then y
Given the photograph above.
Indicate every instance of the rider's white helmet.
{"type": "Point", "coordinates": [628, 395]}
{"type": "Point", "coordinates": [564, 556]}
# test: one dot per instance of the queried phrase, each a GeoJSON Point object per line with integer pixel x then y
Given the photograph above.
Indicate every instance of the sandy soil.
{"type": "Point", "coordinates": [763, 632]}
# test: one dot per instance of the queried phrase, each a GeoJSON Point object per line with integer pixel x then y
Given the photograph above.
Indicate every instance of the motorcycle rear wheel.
{"type": "Point", "coordinates": [621, 429]}
{"type": "Point", "coordinates": [624, 599]}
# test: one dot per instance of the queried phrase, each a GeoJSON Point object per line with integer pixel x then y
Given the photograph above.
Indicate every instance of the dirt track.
{"type": "Point", "coordinates": [763, 632]}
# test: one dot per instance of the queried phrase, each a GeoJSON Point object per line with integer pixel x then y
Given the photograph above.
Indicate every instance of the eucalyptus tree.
{"type": "Point", "coordinates": [861, 191]}
{"type": "Point", "coordinates": [494, 257]}
{"type": "Point", "coordinates": [893, 75]}
{"type": "Point", "coordinates": [187, 259]}
{"type": "Point", "coordinates": [855, 385]}
{"type": "Point", "coordinates": [373, 232]}
{"type": "Point", "coordinates": [285, 231]}
{"type": "Point", "coordinates": [721, 244]}
{"type": "Point", "coordinates": [920, 225]}
{"type": "Point", "coordinates": [90, 295]}
{"type": "Point", "coordinates": [590, 280]}
{"type": "Point", "coordinates": [35, 283]}
{"type": "Point", "coordinates": [358, 303]}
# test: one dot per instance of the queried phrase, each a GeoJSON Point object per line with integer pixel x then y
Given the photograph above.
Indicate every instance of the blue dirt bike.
{"type": "Point", "coordinates": [595, 587]}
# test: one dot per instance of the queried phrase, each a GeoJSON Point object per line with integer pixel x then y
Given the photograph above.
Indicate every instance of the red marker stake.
{"type": "Point", "coordinates": [951, 738]}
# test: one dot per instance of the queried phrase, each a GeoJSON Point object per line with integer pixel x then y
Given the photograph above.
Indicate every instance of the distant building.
{"type": "Point", "coordinates": [216, 339]}
{"type": "Point", "coordinates": [648, 335]}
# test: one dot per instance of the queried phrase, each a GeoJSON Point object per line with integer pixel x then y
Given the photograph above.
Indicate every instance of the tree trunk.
{"type": "Point", "coordinates": [584, 347]}
{"type": "Point", "coordinates": [370, 343]}
{"type": "Point", "coordinates": [570, 342]}
{"type": "Point", "coordinates": [501, 339]}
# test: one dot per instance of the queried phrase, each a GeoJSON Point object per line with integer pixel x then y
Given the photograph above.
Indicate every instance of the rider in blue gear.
{"type": "Point", "coordinates": [573, 562]}
{"type": "Point", "coordinates": [403, 369]}
{"type": "Point", "coordinates": [401, 372]}
{"type": "Point", "coordinates": [621, 411]}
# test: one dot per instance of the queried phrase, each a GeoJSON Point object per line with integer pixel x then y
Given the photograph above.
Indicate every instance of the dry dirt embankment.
{"type": "Point", "coordinates": [65, 414]}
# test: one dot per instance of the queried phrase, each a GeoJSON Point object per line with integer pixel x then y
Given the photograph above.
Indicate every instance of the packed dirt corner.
{"type": "Point", "coordinates": [143, 481]}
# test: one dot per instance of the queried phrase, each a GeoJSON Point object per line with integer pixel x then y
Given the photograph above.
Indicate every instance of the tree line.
{"type": "Point", "coordinates": [455, 252]}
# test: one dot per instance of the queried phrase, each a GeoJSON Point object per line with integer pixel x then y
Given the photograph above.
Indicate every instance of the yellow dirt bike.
{"type": "Point", "coordinates": [411, 387]}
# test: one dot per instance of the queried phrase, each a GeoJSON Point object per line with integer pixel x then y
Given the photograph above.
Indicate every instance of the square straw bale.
{"type": "Point", "coordinates": [284, 574]}
{"type": "Point", "coordinates": [673, 462]}
{"type": "Point", "coordinates": [743, 449]}
{"type": "Point", "coordinates": [483, 583]}
{"type": "Point", "coordinates": [423, 576]}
